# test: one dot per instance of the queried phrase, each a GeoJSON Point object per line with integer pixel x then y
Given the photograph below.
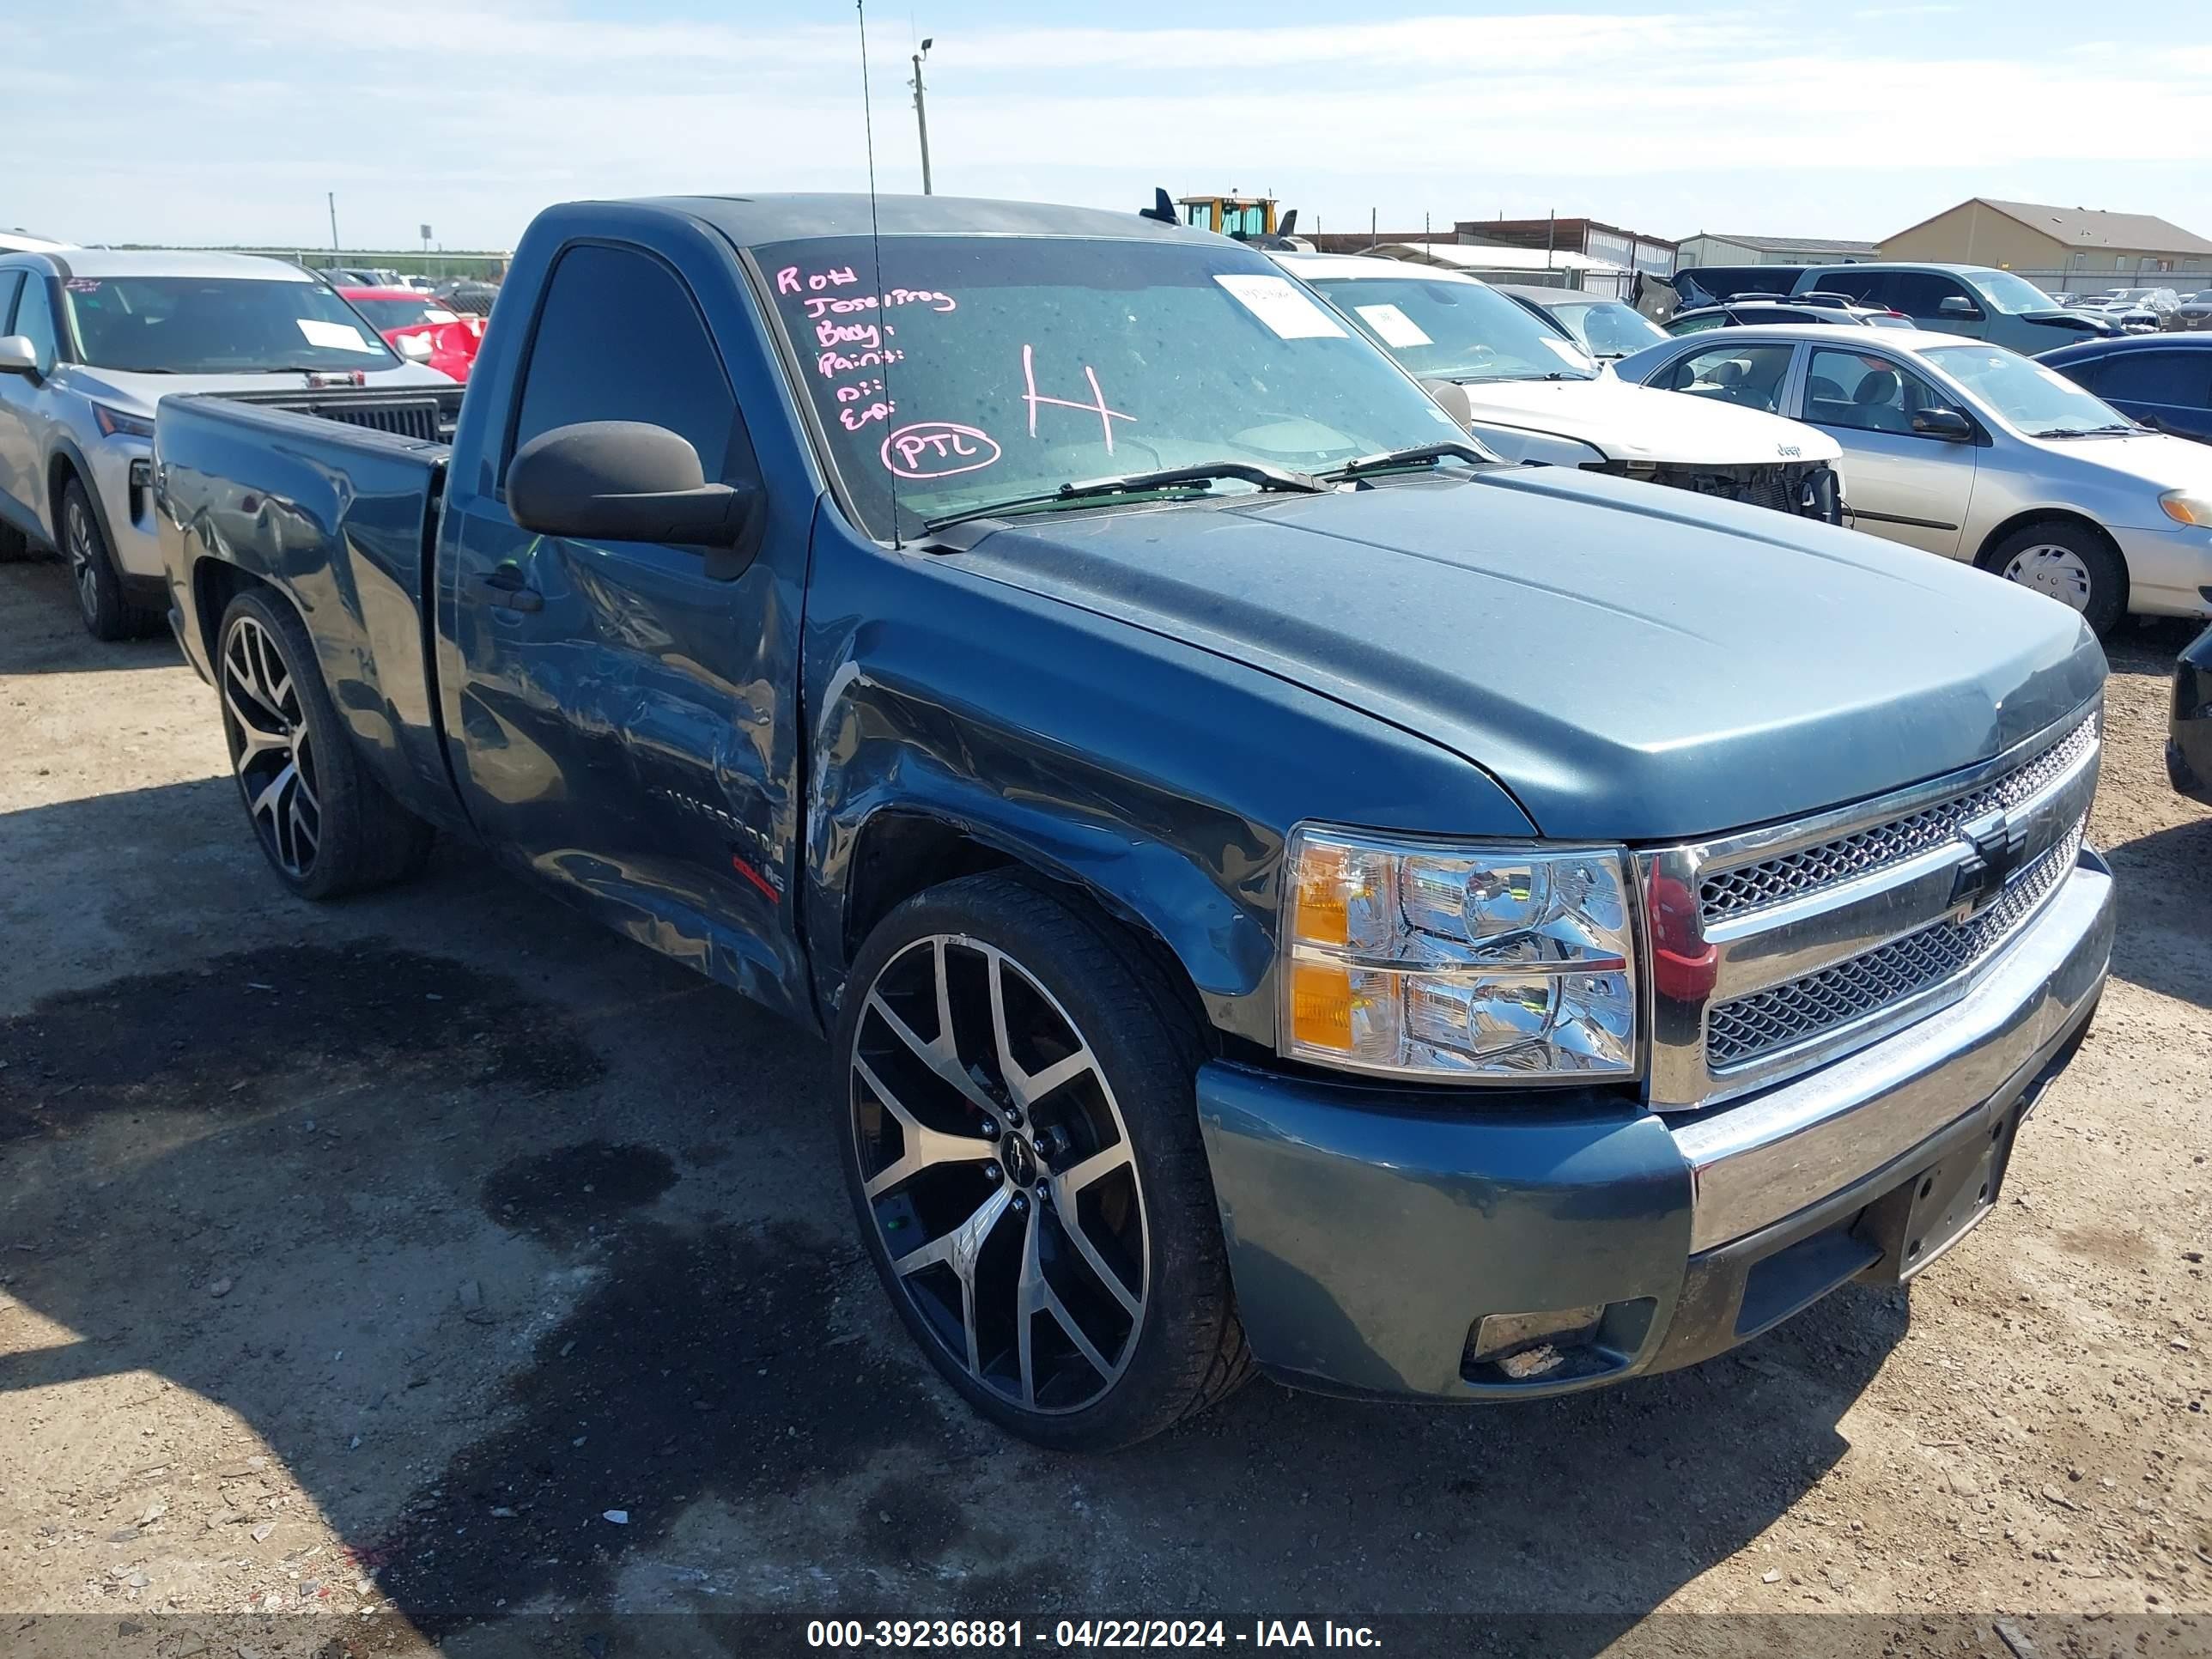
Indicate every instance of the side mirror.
{"type": "Point", "coordinates": [1948, 424]}
{"type": "Point", "coordinates": [1957, 305]}
{"type": "Point", "coordinates": [1452, 397]}
{"type": "Point", "coordinates": [626, 481]}
{"type": "Point", "coordinates": [18, 355]}
{"type": "Point", "coordinates": [415, 348]}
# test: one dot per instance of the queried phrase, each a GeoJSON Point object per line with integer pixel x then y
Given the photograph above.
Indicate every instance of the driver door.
{"type": "Point", "coordinates": [625, 710]}
{"type": "Point", "coordinates": [1903, 485]}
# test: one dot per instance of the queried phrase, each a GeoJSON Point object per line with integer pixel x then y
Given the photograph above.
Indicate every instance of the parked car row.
{"type": "Point", "coordinates": [1979, 301]}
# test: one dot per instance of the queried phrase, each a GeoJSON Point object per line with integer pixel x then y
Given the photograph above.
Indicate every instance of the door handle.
{"type": "Point", "coordinates": [504, 589]}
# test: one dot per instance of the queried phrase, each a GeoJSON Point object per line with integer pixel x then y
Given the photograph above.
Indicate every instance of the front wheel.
{"type": "Point", "coordinates": [2069, 563]}
{"type": "Point", "coordinates": [107, 613]}
{"type": "Point", "coordinates": [1022, 1150]}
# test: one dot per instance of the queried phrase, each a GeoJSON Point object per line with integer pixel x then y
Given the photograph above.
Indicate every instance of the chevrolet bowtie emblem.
{"type": "Point", "coordinates": [1998, 845]}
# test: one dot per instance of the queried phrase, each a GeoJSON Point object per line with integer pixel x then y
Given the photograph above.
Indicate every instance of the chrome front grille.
{"type": "Point", "coordinates": [1779, 949]}
{"type": "Point", "coordinates": [1801, 1010]}
{"type": "Point", "coordinates": [1773, 880]}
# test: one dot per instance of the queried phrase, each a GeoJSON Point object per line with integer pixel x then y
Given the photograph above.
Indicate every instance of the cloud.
{"type": "Point", "coordinates": [242, 113]}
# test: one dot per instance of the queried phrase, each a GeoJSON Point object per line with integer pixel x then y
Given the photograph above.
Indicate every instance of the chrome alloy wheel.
{"type": "Point", "coordinates": [2056, 572]}
{"type": "Point", "coordinates": [84, 562]}
{"type": "Point", "coordinates": [269, 747]}
{"type": "Point", "coordinates": [999, 1175]}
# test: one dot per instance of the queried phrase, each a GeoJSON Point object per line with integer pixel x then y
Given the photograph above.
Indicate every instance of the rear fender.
{"type": "Point", "coordinates": [335, 520]}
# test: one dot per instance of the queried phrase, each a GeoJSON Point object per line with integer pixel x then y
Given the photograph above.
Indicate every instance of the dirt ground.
{"type": "Point", "coordinates": [360, 1264]}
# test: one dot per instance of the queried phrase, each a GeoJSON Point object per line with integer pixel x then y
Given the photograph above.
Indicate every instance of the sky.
{"type": "Point", "coordinates": [225, 122]}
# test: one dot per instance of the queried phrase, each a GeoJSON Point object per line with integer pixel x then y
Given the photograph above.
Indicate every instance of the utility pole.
{"type": "Point", "coordinates": [332, 198]}
{"type": "Point", "coordinates": [922, 114]}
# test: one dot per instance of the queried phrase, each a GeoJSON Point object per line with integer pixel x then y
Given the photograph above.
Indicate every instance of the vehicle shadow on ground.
{"type": "Point", "coordinates": [2165, 893]}
{"type": "Point", "coordinates": [44, 635]}
{"type": "Point", "coordinates": [490, 1226]}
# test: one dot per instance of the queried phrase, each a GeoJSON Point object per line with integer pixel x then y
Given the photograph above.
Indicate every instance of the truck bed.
{"type": "Point", "coordinates": [331, 506]}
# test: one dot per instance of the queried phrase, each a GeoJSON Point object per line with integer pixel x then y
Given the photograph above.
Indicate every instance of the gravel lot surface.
{"type": "Point", "coordinates": [358, 1263]}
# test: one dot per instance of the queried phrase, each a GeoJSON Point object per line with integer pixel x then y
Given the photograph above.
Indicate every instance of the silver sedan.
{"type": "Point", "coordinates": [1972, 450]}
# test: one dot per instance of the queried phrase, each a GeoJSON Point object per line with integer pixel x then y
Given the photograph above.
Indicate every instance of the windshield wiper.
{"type": "Point", "coordinates": [1413, 455]}
{"type": "Point", "coordinates": [1257, 473]}
{"type": "Point", "coordinates": [2088, 431]}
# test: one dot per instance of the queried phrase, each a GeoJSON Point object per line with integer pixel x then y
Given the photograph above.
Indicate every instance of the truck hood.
{"type": "Point", "coordinates": [138, 394]}
{"type": "Point", "coordinates": [1632, 664]}
{"type": "Point", "coordinates": [1629, 423]}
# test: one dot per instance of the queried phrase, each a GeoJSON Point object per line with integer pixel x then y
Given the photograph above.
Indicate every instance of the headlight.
{"type": "Point", "coordinates": [2188, 508]}
{"type": "Point", "coordinates": [115, 424]}
{"type": "Point", "coordinates": [1450, 960]}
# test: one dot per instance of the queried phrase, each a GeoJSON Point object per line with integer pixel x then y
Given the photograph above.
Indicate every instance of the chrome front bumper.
{"type": "Point", "coordinates": [1758, 1161]}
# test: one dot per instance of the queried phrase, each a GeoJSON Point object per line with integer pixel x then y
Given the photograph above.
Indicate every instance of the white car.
{"type": "Point", "coordinates": [1532, 393]}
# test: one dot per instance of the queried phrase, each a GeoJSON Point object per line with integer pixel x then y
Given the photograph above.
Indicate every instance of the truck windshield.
{"type": "Point", "coordinates": [2008, 293]}
{"type": "Point", "coordinates": [982, 370]}
{"type": "Point", "coordinates": [218, 326]}
{"type": "Point", "coordinates": [1442, 330]}
{"type": "Point", "coordinates": [1606, 327]}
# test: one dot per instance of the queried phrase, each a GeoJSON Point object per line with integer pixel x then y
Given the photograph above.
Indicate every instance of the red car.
{"type": "Point", "coordinates": [402, 314]}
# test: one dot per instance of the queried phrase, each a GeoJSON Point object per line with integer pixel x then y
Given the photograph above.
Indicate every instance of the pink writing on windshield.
{"type": "Point", "coordinates": [819, 306]}
{"type": "Point", "coordinates": [1095, 406]}
{"type": "Point", "coordinates": [830, 364]}
{"type": "Point", "coordinates": [789, 281]}
{"type": "Point", "coordinates": [937, 449]}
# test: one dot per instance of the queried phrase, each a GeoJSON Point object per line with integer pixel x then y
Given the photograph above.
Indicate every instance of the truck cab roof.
{"type": "Point", "coordinates": [752, 221]}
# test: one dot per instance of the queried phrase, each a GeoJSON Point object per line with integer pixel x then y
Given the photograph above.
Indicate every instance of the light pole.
{"type": "Point", "coordinates": [920, 113]}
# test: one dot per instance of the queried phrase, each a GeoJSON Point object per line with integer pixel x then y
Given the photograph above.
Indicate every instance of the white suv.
{"type": "Point", "coordinates": [90, 341]}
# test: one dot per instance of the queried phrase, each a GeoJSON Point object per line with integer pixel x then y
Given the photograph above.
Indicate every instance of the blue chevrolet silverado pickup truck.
{"type": "Point", "coordinates": [1285, 890]}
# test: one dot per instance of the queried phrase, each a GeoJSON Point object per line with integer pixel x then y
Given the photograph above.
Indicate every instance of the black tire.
{"type": "Point", "coordinates": [107, 614]}
{"type": "Point", "coordinates": [332, 829]}
{"type": "Point", "coordinates": [1183, 1348]}
{"type": "Point", "coordinates": [2106, 574]}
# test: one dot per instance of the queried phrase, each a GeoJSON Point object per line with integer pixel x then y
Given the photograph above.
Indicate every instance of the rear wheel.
{"type": "Point", "coordinates": [1022, 1153]}
{"type": "Point", "coordinates": [2068, 562]}
{"type": "Point", "coordinates": [326, 826]}
{"type": "Point", "coordinates": [108, 615]}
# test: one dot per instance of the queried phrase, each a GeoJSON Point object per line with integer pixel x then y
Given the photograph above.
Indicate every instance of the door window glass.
{"type": "Point", "coordinates": [2157, 377]}
{"type": "Point", "coordinates": [34, 321]}
{"type": "Point", "coordinates": [10, 281]}
{"type": "Point", "coordinates": [1920, 295]}
{"type": "Point", "coordinates": [1751, 375]}
{"type": "Point", "coordinates": [620, 339]}
{"type": "Point", "coordinates": [1868, 288]}
{"type": "Point", "coordinates": [1865, 392]}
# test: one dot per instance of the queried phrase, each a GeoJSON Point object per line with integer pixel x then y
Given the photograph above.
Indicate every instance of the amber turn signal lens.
{"type": "Point", "coordinates": [1321, 1005]}
{"type": "Point", "coordinates": [1325, 883]}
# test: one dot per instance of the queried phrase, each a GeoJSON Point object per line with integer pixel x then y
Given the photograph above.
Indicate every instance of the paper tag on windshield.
{"type": "Point", "coordinates": [1580, 359]}
{"type": "Point", "coordinates": [1395, 327]}
{"type": "Point", "coordinates": [1279, 304]}
{"type": "Point", "coordinates": [338, 337]}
